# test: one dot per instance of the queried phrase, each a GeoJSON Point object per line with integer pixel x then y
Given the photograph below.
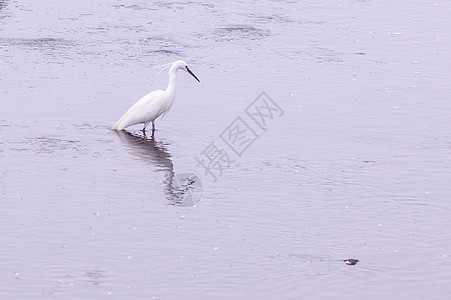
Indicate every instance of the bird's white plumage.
{"type": "Point", "coordinates": [146, 109]}
{"type": "Point", "coordinates": [154, 104]}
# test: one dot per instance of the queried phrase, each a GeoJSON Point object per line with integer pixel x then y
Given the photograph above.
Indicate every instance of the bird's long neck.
{"type": "Point", "coordinates": [170, 90]}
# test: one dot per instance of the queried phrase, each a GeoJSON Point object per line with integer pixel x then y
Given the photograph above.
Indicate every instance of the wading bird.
{"type": "Point", "coordinates": [156, 103]}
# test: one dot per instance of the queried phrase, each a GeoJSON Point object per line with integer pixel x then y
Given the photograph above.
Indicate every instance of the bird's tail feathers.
{"type": "Point", "coordinates": [116, 126]}
{"type": "Point", "coordinates": [119, 124]}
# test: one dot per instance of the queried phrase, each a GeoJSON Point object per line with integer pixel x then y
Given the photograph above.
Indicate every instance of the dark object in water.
{"type": "Point", "coordinates": [351, 261]}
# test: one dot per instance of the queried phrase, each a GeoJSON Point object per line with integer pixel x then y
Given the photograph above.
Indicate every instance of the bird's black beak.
{"type": "Point", "coordinates": [192, 74]}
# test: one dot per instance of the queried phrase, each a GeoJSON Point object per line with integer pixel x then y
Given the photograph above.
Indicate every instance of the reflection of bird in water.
{"type": "Point", "coordinates": [154, 154]}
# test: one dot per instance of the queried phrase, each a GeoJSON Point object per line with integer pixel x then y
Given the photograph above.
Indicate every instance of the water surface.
{"type": "Point", "coordinates": [356, 166]}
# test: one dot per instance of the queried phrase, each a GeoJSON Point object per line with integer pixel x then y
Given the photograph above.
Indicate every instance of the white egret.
{"type": "Point", "coordinates": [156, 103]}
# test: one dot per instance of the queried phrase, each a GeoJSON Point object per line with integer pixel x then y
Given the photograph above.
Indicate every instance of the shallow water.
{"type": "Point", "coordinates": [353, 160]}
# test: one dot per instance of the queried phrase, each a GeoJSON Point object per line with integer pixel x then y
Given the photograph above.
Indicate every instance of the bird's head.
{"type": "Point", "coordinates": [180, 64]}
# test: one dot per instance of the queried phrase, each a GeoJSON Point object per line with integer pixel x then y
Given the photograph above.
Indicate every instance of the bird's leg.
{"type": "Point", "coordinates": [144, 127]}
{"type": "Point", "coordinates": [153, 129]}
